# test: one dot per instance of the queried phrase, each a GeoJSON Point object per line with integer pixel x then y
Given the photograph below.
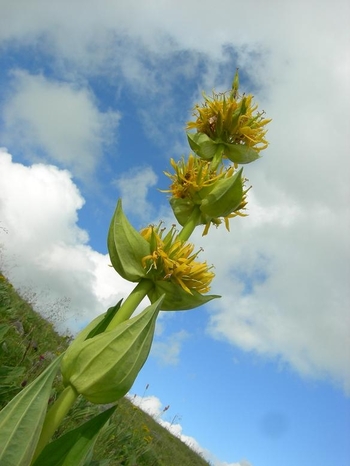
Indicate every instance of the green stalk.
{"type": "Point", "coordinates": [190, 225]}
{"type": "Point", "coordinates": [130, 304]}
{"type": "Point", "coordinates": [216, 160]}
{"type": "Point", "coordinates": [55, 416]}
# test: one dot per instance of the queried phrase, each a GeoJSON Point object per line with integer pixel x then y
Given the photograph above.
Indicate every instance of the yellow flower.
{"type": "Point", "coordinates": [173, 260]}
{"type": "Point", "coordinates": [231, 119]}
{"type": "Point", "coordinates": [192, 176]}
{"type": "Point", "coordinates": [193, 181]}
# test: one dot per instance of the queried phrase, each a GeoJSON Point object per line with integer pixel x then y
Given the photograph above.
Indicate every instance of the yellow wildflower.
{"type": "Point", "coordinates": [229, 118]}
{"type": "Point", "coordinates": [172, 259]}
{"type": "Point", "coordinates": [192, 181]}
{"type": "Point", "coordinates": [191, 176]}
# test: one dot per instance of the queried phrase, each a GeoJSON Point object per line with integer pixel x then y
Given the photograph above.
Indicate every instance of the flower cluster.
{"type": "Point", "coordinates": [212, 193]}
{"type": "Point", "coordinates": [206, 188]}
{"type": "Point", "coordinates": [192, 176]}
{"type": "Point", "coordinates": [228, 126]}
{"type": "Point", "coordinates": [230, 120]}
{"type": "Point", "coordinates": [174, 260]}
{"type": "Point", "coordinates": [104, 360]}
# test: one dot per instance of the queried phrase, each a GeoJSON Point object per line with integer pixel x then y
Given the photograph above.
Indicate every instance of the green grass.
{"type": "Point", "coordinates": [28, 343]}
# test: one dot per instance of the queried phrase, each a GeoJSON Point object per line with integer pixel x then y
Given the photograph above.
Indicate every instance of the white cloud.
{"type": "Point", "coordinates": [278, 47]}
{"type": "Point", "coordinates": [57, 120]}
{"type": "Point", "coordinates": [264, 31]}
{"type": "Point", "coordinates": [133, 187]}
{"type": "Point", "coordinates": [293, 249]}
{"type": "Point", "coordinates": [149, 404]}
{"type": "Point", "coordinates": [283, 273]}
{"type": "Point", "coordinates": [43, 248]}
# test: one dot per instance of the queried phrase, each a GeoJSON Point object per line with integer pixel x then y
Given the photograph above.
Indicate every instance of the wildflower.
{"type": "Point", "coordinates": [225, 119]}
{"type": "Point", "coordinates": [215, 194]}
{"type": "Point", "coordinates": [228, 125]}
{"type": "Point", "coordinates": [191, 176]}
{"type": "Point", "coordinates": [163, 263]}
{"type": "Point", "coordinates": [174, 260]}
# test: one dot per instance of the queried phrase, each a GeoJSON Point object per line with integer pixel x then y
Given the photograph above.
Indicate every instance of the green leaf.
{"type": "Point", "coordinates": [126, 247]}
{"type": "Point", "coordinates": [103, 324]}
{"type": "Point", "coordinates": [176, 298]}
{"type": "Point", "coordinates": [225, 197]}
{"type": "Point", "coordinates": [21, 420]}
{"type": "Point", "coordinates": [239, 153]}
{"type": "Point", "coordinates": [182, 208]}
{"type": "Point", "coordinates": [72, 448]}
{"type": "Point", "coordinates": [202, 145]}
{"type": "Point", "coordinates": [84, 334]}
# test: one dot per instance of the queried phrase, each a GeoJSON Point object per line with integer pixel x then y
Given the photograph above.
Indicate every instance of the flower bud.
{"type": "Point", "coordinates": [103, 368]}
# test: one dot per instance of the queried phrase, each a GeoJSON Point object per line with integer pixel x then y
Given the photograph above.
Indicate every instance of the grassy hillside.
{"type": "Point", "coordinates": [28, 343]}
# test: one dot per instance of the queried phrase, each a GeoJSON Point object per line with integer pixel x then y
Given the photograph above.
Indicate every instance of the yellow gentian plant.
{"type": "Point", "coordinates": [102, 363]}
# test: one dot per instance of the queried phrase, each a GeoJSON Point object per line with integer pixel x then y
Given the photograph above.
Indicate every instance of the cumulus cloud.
{"type": "Point", "coordinates": [287, 72]}
{"type": "Point", "coordinates": [45, 251]}
{"type": "Point", "coordinates": [284, 271]}
{"type": "Point", "coordinates": [160, 28]}
{"type": "Point", "coordinates": [284, 281]}
{"type": "Point", "coordinates": [56, 121]}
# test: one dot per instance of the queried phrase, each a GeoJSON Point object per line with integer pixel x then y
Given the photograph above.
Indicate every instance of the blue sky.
{"type": "Point", "coordinates": [94, 100]}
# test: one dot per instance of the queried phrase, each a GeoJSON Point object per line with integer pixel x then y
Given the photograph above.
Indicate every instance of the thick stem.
{"type": "Point", "coordinates": [190, 225]}
{"type": "Point", "coordinates": [55, 416]}
{"type": "Point", "coordinates": [131, 303]}
{"type": "Point", "coordinates": [216, 160]}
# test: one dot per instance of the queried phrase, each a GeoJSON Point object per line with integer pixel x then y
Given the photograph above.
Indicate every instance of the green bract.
{"type": "Point", "coordinates": [126, 247]}
{"type": "Point", "coordinates": [208, 149]}
{"type": "Point", "coordinates": [224, 197]}
{"type": "Point", "coordinates": [103, 368]}
{"type": "Point", "coordinates": [177, 299]}
{"type": "Point", "coordinates": [219, 200]}
{"type": "Point", "coordinates": [183, 209]}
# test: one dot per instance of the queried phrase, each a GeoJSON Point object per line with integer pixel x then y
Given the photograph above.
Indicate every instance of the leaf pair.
{"type": "Point", "coordinates": [208, 149]}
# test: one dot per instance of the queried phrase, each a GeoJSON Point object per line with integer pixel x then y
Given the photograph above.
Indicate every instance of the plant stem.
{"type": "Point", "coordinates": [216, 160]}
{"type": "Point", "coordinates": [190, 225]}
{"type": "Point", "coordinates": [55, 416]}
{"type": "Point", "coordinates": [131, 303]}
